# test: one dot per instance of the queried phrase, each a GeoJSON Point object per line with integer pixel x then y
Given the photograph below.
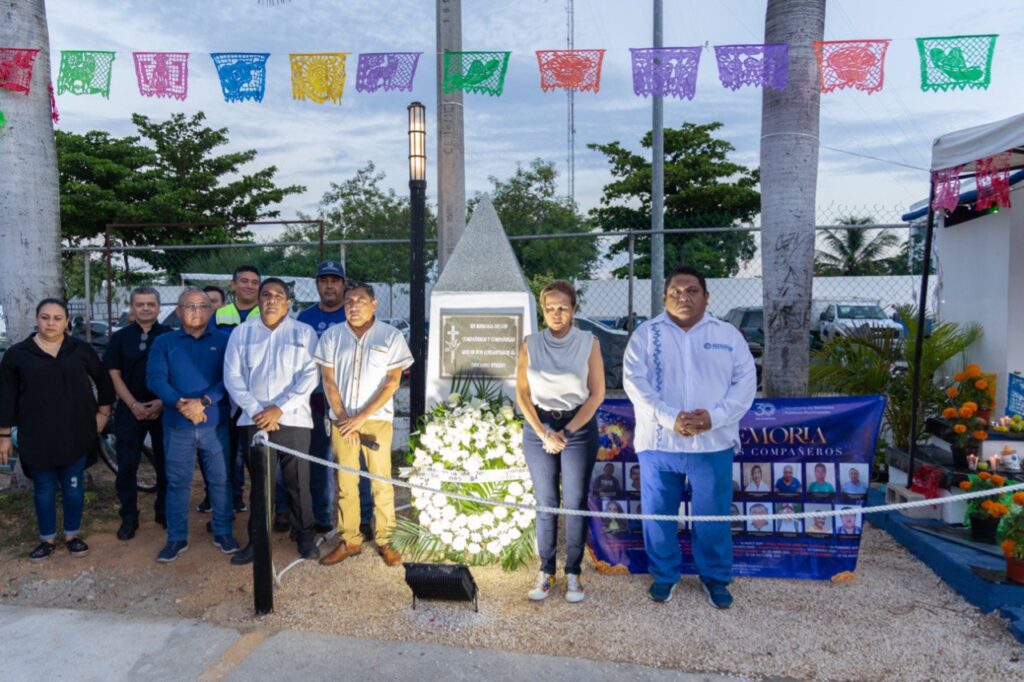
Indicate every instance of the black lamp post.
{"type": "Point", "coordinates": [417, 270]}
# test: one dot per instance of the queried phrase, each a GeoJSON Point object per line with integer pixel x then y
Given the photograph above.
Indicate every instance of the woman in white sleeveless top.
{"type": "Point", "coordinates": [559, 386]}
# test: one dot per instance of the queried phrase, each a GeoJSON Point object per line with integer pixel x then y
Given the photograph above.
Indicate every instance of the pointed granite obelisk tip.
{"type": "Point", "coordinates": [483, 259]}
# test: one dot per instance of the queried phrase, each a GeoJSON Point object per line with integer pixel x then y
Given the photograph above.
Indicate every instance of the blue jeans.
{"type": "Point", "coordinates": [661, 489]}
{"type": "Point", "coordinates": [322, 482]}
{"type": "Point", "coordinates": [572, 469]}
{"type": "Point", "coordinates": [71, 479]}
{"type": "Point", "coordinates": [180, 448]}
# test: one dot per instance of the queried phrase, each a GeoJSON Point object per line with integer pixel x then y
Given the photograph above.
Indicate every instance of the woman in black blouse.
{"type": "Point", "coordinates": [46, 391]}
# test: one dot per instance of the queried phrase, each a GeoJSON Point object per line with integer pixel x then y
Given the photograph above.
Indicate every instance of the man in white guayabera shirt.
{"type": "Point", "coordinates": [270, 373]}
{"type": "Point", "coordinates": [361, 362]}
{"type": "Point", "coordinates": [691, 379]}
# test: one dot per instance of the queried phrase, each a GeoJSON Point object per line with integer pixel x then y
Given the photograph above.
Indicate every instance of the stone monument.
{"type": "Point", "coordinates": [481, 309]}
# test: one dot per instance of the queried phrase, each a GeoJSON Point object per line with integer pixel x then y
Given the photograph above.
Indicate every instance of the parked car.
{"type": "Point", "coordinates": [401, 324]}
{"type": "Point", "coordinates": [623, 322]}
{"type": "Point", "coordinates": [750, 322]}
{"type": "Point", "coordinates": [613, 346]}
{"type": "Point", "coordinates": [839, 318]}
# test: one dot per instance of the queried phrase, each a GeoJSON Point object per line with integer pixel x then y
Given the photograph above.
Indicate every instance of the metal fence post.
{"type": "Point", "coordinates": [88, 298]}
{"type": "Point", "coordinates": [263, 559]}
{"type": "Point", "coordinates": [629, 295]}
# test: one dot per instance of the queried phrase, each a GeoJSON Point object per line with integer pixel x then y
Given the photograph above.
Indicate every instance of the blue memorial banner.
{"type": "Point", "coordinates": [797, 455]}
{"type": "Point", "coordinates": [1015, 395]}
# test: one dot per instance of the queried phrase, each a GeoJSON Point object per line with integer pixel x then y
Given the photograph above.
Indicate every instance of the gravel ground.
{"type": "Point", "coordinates": [896, 621]}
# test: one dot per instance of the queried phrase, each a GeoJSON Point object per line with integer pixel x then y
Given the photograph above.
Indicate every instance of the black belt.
{"type": "Point", "coordinates": [557, 414]}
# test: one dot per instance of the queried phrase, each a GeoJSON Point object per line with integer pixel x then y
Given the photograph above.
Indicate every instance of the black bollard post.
{"type": "Point", "coordinates": [262, 565]}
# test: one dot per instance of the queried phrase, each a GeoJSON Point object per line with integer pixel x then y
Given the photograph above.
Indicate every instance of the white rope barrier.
{"type": "Point", "coordinates": [261, 438]}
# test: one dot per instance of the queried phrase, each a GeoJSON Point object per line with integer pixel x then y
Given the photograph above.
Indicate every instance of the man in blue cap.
{"type": "Point", "coordinates": [330, 285]}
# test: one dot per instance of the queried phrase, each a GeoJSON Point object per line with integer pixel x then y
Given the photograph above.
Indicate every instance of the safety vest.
{"type": "Point", "coordinates": [228, 316]}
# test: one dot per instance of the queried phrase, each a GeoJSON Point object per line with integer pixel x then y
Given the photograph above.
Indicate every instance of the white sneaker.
{"type": "Point", "coordinates": [541, 588]}
{"type": "Point", "coordinates": [574, 589]}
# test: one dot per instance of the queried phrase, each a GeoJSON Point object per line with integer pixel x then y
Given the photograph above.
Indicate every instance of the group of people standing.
{"type": "Point", "coordinates": [322, 383]}
{"type": "Point", "coordinates": [690, 377]}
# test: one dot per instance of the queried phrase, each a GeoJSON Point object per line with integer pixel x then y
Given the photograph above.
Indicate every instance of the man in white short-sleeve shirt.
{"type": "Point", "coordinates": [361, 363]}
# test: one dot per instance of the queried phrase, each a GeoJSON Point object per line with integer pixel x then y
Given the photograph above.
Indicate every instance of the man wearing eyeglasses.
{"type": "Point", "coordinates": [691, 379]}
{"type": "Point", "coordinates": [138, 409]}
{"type": "Point", "coordinates": [186, 371]}
{"type": "Point", "coordinates": [269, 373]}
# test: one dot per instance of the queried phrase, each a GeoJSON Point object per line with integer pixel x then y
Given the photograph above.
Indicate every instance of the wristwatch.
{"type": "Point", "coordinates": [205, 401]}
{"type": "Point", "coordinates": [568, 432]}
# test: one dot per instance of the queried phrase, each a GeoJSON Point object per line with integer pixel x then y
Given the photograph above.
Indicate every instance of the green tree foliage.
{"type": "Point", "coordinates": [360, 208]}
{"type": "Point", "coordinates": [852, 253]}
{"type": "Point", "coordinates": [702, 189]}
{"type": "Point", "coordinates": [169, 173]}
{"type": "Point", "coordinates": [528, 204]}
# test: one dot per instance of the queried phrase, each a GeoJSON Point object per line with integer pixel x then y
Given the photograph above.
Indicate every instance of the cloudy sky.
{"type": "Point", "coordinates": [315, 144]}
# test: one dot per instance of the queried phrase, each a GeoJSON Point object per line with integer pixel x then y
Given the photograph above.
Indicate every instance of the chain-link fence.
{"type": "Point", "coordinates": [860, 258]}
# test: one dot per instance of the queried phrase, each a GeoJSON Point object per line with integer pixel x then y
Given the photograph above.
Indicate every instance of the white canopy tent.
{"type": "Point", "coordinates": [958, 148]}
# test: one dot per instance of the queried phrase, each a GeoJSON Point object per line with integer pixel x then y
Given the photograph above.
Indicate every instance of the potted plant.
{"type": "Point", "coordinates": [1013, 539]}
{"type": "Point", "coordinates": [863, 362]}
{"type": "Point", "coordinates": [984, 514]}
{"type": "Point", "coordinates": [966, 428]}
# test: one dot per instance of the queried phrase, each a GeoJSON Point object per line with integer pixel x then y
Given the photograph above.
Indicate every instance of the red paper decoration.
{"type": "Point", "coordinates": [993, 177]}
{"type": "Point", "coordinates": [855, 64]}
{"type": "Point", "coordinates": [947, 188]}
{"type": "Point", "coordinates": [570, 69]}
{"type": "Point", "coordinates": [16, 68]}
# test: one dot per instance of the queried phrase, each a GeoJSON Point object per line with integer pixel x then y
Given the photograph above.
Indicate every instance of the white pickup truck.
{"type": "Point", "coordinates": [842, 317]}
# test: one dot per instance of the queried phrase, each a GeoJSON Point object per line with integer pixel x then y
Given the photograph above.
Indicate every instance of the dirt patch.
{"type": "Point", "coordinates": [896, 620]}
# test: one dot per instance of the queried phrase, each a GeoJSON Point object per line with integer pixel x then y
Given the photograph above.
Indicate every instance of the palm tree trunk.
{"type": "Point", "coordinates": [29, 189]}
{"type": "Point", "coordinates": [789, 174]}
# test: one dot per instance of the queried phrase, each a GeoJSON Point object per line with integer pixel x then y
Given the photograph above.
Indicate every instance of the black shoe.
{"type": "Point", "coordinates": [42, 551]}
{"type": "Point", "coordinates": [127, 529]}
{"type": "Point", "coordinates": [308, 548]}
{"type": "Point", "coordinates": [242, 556]}
{"type": "Point", "coordinates": [281, 523]}
{"type": "Point", "coordinates": [161, 521]}
{"type": "Point", "coordinates": [204, 507]}
{"type": "Point", "coordinates": [77, 547]}
{"type": "Point", "coordinates": [241, 506]}
{"type": "Point", "coordinates": [323, 527]}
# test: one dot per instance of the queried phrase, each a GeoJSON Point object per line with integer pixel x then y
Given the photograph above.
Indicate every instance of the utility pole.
{"type": "Point", "coordinates": [570, 43]}
{"type": "Point", "coordinates": [451, 159]}
{"type": "Point", "coordinates": [657, 181]}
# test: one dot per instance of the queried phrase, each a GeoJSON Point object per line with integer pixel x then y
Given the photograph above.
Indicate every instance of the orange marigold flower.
{"type": "Point", "coordinates": [997, 510]}
{"type": "Point", "coordinates": [949, 413]}
{"type": "Point", "coordinates": [998, 480]}
{"type": "Point", "coordinates": [986, 504]}
{"type": "Point", "coordinates": [1008, 546]}
{"type": "Point", "coordinates": [972, 371]}
{"type": "Point", "coordinates": [1018, 498]}
{"type": "Point", "coordinates": [952, 391]}
{"type": "Point", "coordinates": [981, 384]}
{"type": "Point", "coordinates": [984, 474]}
{"type": "Point", "coordinates": [965, 412]}
{"type": "Point", "coordinates": [972, 405]}
{"type": "Point", "coordinates": [959, 376]}
{"type": "Point", "coordinates": [979, 435]}
{"type": "Point", "coordinates": [960, 428]}
{"type": "Point", "coordinates": [965, 485]}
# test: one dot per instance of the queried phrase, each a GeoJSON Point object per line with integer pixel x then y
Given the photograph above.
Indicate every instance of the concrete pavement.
{"type": "Point", "coordinates": [48, 644]}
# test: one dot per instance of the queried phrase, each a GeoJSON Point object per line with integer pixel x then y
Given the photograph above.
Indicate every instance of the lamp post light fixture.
{"type": "Point", "coordinates": [417, 261]}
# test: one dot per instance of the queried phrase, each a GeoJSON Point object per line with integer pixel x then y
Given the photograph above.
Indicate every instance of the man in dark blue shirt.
{"type": "Point", "coordinates": [186, 371]}
{"type": "Point", "coordinates": [138, 409]}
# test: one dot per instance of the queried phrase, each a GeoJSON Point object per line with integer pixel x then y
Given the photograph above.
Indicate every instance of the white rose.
{"type": "Point", "coordinates": [454, 398]}
{"type": "Point", "coordinates": [524, 522]}
{"type": "Point", "coordinates": [459, 543]}
{"type": "Point", "coordinates": [500, 513]}
{"type": "Point", "coordinates": [447, 538]}
{"type": "Point", "coordinates": [448, 513]}
{"type": "Point", "coordinates": [473, 548]}
{"type": "Point", "coordinates": [514, 534]}
{"type": "Point", "coordinates": [474, 522]}
{"type": "Point", "coordinates": [487, 518]}
{"type": "Point", "coordinates": [494, 547]}
{"type": "Point", "coordinates": [475, 537]}
{"type": "Point", "coordinates": [509, 459]}
{"type": "Point", "coordinates": [439, 500]}
{"type": "Point", "coordinates": [507, 412]}
{"type": "Point", "coordinates": [515, 489]}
